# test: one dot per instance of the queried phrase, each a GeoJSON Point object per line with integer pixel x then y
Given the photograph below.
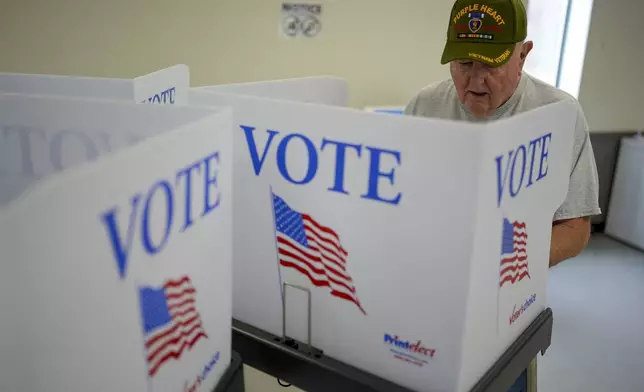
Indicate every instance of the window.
{"type": "Point", "coordinates": [551, 24]}
{"type": "Point", "coordinates": [546, 27]}
{"type": "Point", "coordinates": [572, 63]}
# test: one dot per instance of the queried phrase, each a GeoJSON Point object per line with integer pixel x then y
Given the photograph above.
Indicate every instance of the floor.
{"type": "Point", "coordinates": [598, 336]}
{"type": "Point", "coordinates": [257, 381]}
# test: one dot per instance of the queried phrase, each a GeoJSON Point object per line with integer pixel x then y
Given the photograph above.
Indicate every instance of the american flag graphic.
{"type": "Point", "coordinates": [514, 252]}
{"type": "Point", "coordinates": [171, 322]}
{"type": "Point", "coordinates": [313, 250]}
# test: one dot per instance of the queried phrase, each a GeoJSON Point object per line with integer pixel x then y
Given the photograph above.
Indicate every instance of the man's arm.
{"type": "Point", "coordinates": [569, 238]}
{"type": "Point", "coordinates": [571, 222]}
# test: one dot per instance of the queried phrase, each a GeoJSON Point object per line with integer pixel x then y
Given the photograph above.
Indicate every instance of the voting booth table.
{"type": "Point", "coordinates": [356, 251]}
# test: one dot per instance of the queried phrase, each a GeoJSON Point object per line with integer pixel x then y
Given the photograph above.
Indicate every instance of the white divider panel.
{"type": "Point", "coordinates": [169, 86]}
{"type": "Point", "coordinates": [166, 86]}
{"type": "Point", "coordinates": [37, 139]}
{"type": "Point", "coordinates": [390, 221]}
{"type": "Point", "coordinates": [523, 179]}
{"type": "Point", "coordinates": [70, 86]}
{"type": "Point", "coordinates": [325, 90]}
{"type": "Point", "coordinates": [115, 273]}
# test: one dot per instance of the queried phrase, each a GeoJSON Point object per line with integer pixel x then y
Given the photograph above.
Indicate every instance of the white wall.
{"type": "Point", "coordinates": [387, 49]}
{"type": "Point", "coordinates": [612, 87]}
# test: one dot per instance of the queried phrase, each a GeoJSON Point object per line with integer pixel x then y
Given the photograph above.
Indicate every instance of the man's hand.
{"type": "Point", "coordinates": [569, 238]}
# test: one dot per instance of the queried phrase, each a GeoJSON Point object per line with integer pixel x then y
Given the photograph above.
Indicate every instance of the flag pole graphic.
{"type": "Point", "coordinates": [498, 282]}
{"type": "Point", "coordinates": [148, 379]}
{"type": "Point", "coordinates": [277, 256]}
{"type": "Point", "coordinates": [498, 302]}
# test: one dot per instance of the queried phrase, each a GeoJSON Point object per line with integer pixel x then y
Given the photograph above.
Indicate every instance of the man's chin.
{"type": "Point", "coordinates": [478, 110]}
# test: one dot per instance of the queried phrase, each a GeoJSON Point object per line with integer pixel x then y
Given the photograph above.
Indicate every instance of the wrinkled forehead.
{"type": "Point", "coordinates": [469, 65]}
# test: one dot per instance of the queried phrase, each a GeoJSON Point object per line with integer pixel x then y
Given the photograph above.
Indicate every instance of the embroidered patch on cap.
{"type": "Point", "coordinates": [476, 21]}
{"type": "Point", "coordinates": [475, 36]}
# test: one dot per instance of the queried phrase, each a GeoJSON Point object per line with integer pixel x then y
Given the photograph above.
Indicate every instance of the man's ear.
{"type": "Point", "coordinates": [525, 50]}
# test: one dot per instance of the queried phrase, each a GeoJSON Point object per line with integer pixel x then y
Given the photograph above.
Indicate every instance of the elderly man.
{"type": "Point", "coordinates": [486, 51]}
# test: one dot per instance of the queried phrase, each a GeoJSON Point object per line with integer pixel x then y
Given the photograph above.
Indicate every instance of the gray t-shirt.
{"type": "Point", "coordinates": [440, 100]}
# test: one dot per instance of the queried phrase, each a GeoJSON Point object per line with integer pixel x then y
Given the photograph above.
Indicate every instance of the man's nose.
{"type": "Point", "coordinates": [477, 75]}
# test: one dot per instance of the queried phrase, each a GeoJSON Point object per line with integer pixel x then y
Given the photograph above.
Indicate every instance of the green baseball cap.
{"type": "Point", "coordinates": [485, 31]}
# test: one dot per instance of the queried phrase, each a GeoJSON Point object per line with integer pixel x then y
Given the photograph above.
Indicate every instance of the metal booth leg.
{"type": "Point", "coordinates": [532, 376]}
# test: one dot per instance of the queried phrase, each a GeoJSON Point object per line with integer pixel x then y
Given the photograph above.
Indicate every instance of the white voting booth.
{"type": "Point", "coordinates": [166, 86]}
{"type": "Point", "coordinates": [424, 244]}
{"type": "Point", "coordinates": [115, 244]}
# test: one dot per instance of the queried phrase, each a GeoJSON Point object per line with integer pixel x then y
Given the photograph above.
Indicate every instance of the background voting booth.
{"type": "Point", "coordinates": [167, 86]}
{"type": "Point", "coordinates": [626, 211]}
{"type": "Point", "coordinates": [369, 252]}
{"type": "Point", "coordinates": [325, 90]}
